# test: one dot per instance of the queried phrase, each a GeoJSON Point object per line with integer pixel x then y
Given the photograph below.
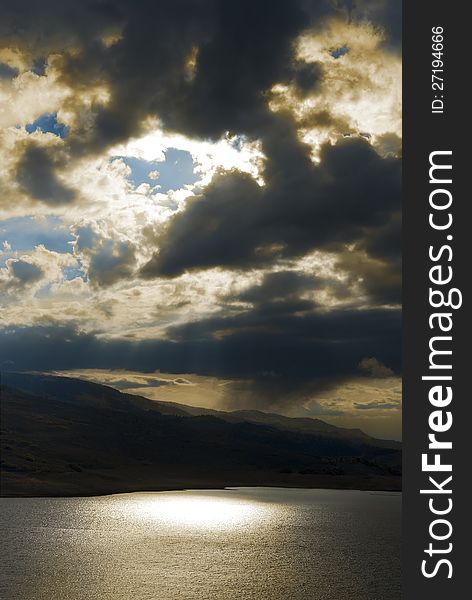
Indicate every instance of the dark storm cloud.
{"type": "Point", "coordinates": [235, 222]}
{"type": "Point", "coordinates": [35, 172]}
{"type": "Point", "coordinates": [383, 13]}
{"type": "Point", "coordinates": [110, 262]}
{"type": "Point", "coordinates": [250, 345]}
{"type": "Point", "coordinates": [385, 242]}
{"type": "Point", "coordinates": [315, 344]}
{"type": "Point", "coordinates": [381, 279]}
{"type": "Point", "coordinates": [269, 392]}
{"type": "Point", "coordinates": [378, 262]}
{"type": "Point", "coordinates": [205, 67]}
{"type": "Point", "coordinates": [108, 259]}
{"type": "Point", "coordinates": [281, 285]}
{"type": "Point", "coordinates": [323, 119]}
{"type": "Point", "coordinates": [54, 25]}
{"type": "Point", "coordinates": [286, 292]}
{"type": "Point", "coordinates": [240, 50]}
{"type": "Point", "coordinates": [384, 285]}
{"type": "Point", "coordinates": [306, 78]}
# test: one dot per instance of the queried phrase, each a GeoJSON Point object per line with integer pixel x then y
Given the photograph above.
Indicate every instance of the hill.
{"type": "Point", "coordinates": [64, 436]}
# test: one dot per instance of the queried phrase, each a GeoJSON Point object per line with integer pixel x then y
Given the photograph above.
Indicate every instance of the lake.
{"type": "Point", "coordinates": [236, 544]}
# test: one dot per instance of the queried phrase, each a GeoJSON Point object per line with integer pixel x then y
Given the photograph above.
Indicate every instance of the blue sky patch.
{"type": "Point", "coordinates": [39, 66]}
{"type": "Point", "coordinates": [338, 52]}
{"type": "Point", "coordinates": [238, 141]}
{"type": "Point", "coordinates": [173, 173]}
{"type": "Point", "coordinates": [24, 233]}
{"type": "Point", "coordinates": [47, 123]}
{"type": "Point", "coordinates": [72, 273]}
{"type": "Point", "coordinates": [7, 72]}
{"type": "Point", "coordinates": [44, 291]}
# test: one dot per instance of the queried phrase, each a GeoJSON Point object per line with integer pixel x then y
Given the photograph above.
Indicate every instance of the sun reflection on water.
{"type": "Point", "coordinates": [199, 511]}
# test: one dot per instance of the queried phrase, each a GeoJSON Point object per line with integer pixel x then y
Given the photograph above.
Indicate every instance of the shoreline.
{"type": "Point", "coordinates": [118, 490]}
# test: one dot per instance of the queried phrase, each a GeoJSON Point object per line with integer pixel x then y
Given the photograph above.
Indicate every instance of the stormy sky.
{"type": "Point", "coordinates": [200, 201]}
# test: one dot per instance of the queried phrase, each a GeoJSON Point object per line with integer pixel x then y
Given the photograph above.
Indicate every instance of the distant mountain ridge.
{"type": "Point", "coordinates": [69, 386]}
{"type": "Point", "coordinates": [65, 436]}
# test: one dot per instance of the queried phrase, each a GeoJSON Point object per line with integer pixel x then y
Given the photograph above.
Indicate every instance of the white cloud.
{"type": "Point", "coordinates": [231, 152]}
{"type": "Point", "coordinates": [25, 274]}
{"type": "Point", "coordinates": [359, 92]}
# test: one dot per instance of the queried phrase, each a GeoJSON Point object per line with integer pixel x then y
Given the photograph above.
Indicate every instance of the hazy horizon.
{"type": "Point", "coordinates": [205, 392]}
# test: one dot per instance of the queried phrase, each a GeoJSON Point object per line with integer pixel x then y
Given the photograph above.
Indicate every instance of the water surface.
{"type": "Point", "coordinates": [238, 544]}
